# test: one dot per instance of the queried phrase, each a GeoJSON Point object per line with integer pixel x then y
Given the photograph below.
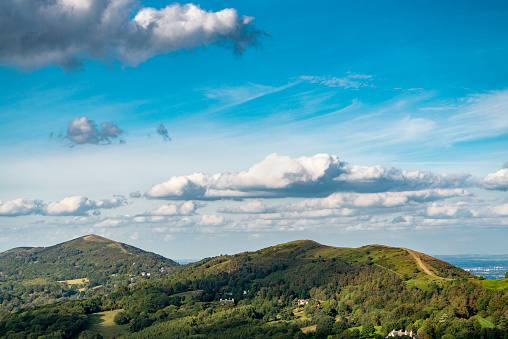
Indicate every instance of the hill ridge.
{"type": "Point", "coordinates": [97, 238]}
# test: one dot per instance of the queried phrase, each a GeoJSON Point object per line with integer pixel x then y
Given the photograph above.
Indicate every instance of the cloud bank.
{"type": "Point", "coordinates": [317, 176]}
{"type": "Point", "coordinates": [36, 33]}
{"type": "Point", "coordinates": [275, 176]}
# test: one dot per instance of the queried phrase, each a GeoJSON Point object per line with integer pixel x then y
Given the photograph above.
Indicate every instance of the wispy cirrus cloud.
{"type": "Point", "coordinates": [229, 96]}
{"type": "Point", "coordinates": [66, 32]}
{"type": "Point", "coordinates": [349, 81]}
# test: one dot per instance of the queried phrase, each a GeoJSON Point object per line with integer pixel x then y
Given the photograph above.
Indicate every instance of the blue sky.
{"type": "Point", "coordinates": [223, 126]}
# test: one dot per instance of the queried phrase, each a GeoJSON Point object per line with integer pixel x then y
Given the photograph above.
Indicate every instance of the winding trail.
{"type": "Point", "coordinates": [422, 265]}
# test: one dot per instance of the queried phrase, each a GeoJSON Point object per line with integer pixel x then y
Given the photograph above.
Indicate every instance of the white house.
{"type": "Point", "coordinates": [401, 333]}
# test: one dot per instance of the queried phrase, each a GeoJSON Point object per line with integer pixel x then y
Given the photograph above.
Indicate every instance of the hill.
{"type": "Point", "coordinates": [413, 267]}
{"type": "Point", "coordinates": [81, 267]}
{"type": "Point", "coordinates": [300, 289]}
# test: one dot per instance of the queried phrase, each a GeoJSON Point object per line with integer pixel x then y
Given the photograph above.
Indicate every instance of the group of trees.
{"type": "Point", "coordinates": [342, 295]}
{"type": "Point", "coordinates": [30, 276]}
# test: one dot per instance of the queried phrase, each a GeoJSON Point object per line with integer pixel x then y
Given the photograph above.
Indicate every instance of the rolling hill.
{"type": "Point", "coordinates": [81, 267]}
{"type": "Point", "coordinates": [300, 289]}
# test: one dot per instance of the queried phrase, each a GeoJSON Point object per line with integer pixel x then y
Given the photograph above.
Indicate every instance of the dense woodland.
{"type": "Point", "coordinates": [32, 276]}
{"type": "Point", "coordinates": [350, 293]}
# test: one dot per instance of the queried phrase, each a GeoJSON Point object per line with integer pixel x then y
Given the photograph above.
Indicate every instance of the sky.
{"type": "Point", "coordinates": [198, 129]}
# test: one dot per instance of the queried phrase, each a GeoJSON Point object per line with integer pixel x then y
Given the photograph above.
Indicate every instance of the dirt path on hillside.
{"type": "Point", "coordinates": [422, 265]}
{"type": "Point", "coordinates": [386, 268]}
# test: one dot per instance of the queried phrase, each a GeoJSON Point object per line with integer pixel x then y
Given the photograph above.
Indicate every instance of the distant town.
{"type": "Point", "coordinates": [481, 265]}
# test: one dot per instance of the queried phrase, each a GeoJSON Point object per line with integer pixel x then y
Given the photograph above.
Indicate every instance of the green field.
{"type": "Point", "coordinates": [309, 329]}
{"type": "Point", "coordinates": [187, 295]}
{"type": "Point", "coordinates": [103, 323]}
{"type": "Point", "coordinates": [499, 284]}
{"type": "Point", "coordinates": [74, 281]}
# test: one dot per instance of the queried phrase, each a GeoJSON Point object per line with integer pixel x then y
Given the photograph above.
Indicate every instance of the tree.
{"type": "Point", "coordinates": [503, 324]}
{"type": "Point", "coordinates": [324, 327]}
{"type": "Point", "coordinates": [367, 330]}
{"type": "Point", "coordinates": [339, 327]}
{"type": "Point", "coordinates": [89, 335]}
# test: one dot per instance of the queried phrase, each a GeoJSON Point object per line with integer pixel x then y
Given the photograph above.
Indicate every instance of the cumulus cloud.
{"type": "Point", "coordinates": [212, 220]}
{"type": "Point", "coordinates": [162, 131]}
{"type": "Point", "coordinates": [495, 211]}
{"type": "Point", "coordinates": [346, 204]}
{"type": "Point", "coordinates": [187, 208]}
{"type": "Point", "coordinates": [445, 211]}
{"type": "Point", "coordinates": [275, 176]}
{"type": "Point", "coordinates": [317, 176]}
{"type": "Point", "coordinates": [378, 178]}
{"type": "Point", "coordinates": [351, 80]}
{"type": "Point", "coordinates": [80, 205]}
{"type": "Point", "coordinates": [84, 131]}
{"type": "Point", "coordinates": [35, 33]}
{"type": "Point", "coordinates": [253, 207]}
{"type": "Point", "coordinates": [77, 205]}
{"type": "Point", "coordinates": [21, 206]}
{"type": "Point", "coordinates": [496, 181]}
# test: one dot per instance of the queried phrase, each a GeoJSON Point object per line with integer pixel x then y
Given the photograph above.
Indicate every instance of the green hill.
{"type": "Point", "coordinates": [81, 267]}
{"type": "Point", "coordinates": [413, 267]}
{"type": "Point", "coordinates": [300, 289]}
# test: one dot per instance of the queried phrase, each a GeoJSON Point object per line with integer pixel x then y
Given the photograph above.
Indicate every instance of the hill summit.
{"type": "Point", "coordinates": [83, 266]}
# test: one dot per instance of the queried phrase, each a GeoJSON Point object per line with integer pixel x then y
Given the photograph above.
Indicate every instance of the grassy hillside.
{"type": "Point", "coordinates": [81, 267]}
{"type": "Point", "coordinates": [303, 253]}
{"type": "Point", "coordinates": [347, 293]}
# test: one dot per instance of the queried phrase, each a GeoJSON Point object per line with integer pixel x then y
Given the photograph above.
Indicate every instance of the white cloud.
{"type": "Point", "coordinates": [187, 208]}
{"type": "Point", "coordinates": [275, 176]}
{"type": "Point", "coordinates": [77, 205]}
{"type": "Point", "coordinates": [496, 181]}
{"type": "Point", "coordinates": [282, 176]}
{"type": "Point", "coordinates": [444, 211]}
{"type": "Point", "coordinates": [377, 178]}
{"type": "Point", "coordinates": [253, 207]}
{"type": "Point", "coordinates": [20, 206]}
{"type": "Point", "coordinates": [501, 210]}
{"type": "Point", "coordinates": [347, 204]}
{"type": "Point", "coordinates": [212, 220]}
{"type": "Point", "coordinates": [65, 32]}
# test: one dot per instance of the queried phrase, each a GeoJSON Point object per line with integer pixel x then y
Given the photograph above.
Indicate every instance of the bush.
{"type": "Point", "coordinates": [121, 318]}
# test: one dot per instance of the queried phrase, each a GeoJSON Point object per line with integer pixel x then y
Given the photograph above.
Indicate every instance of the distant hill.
{"type": "Point", "coordinates": [81, 267]}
